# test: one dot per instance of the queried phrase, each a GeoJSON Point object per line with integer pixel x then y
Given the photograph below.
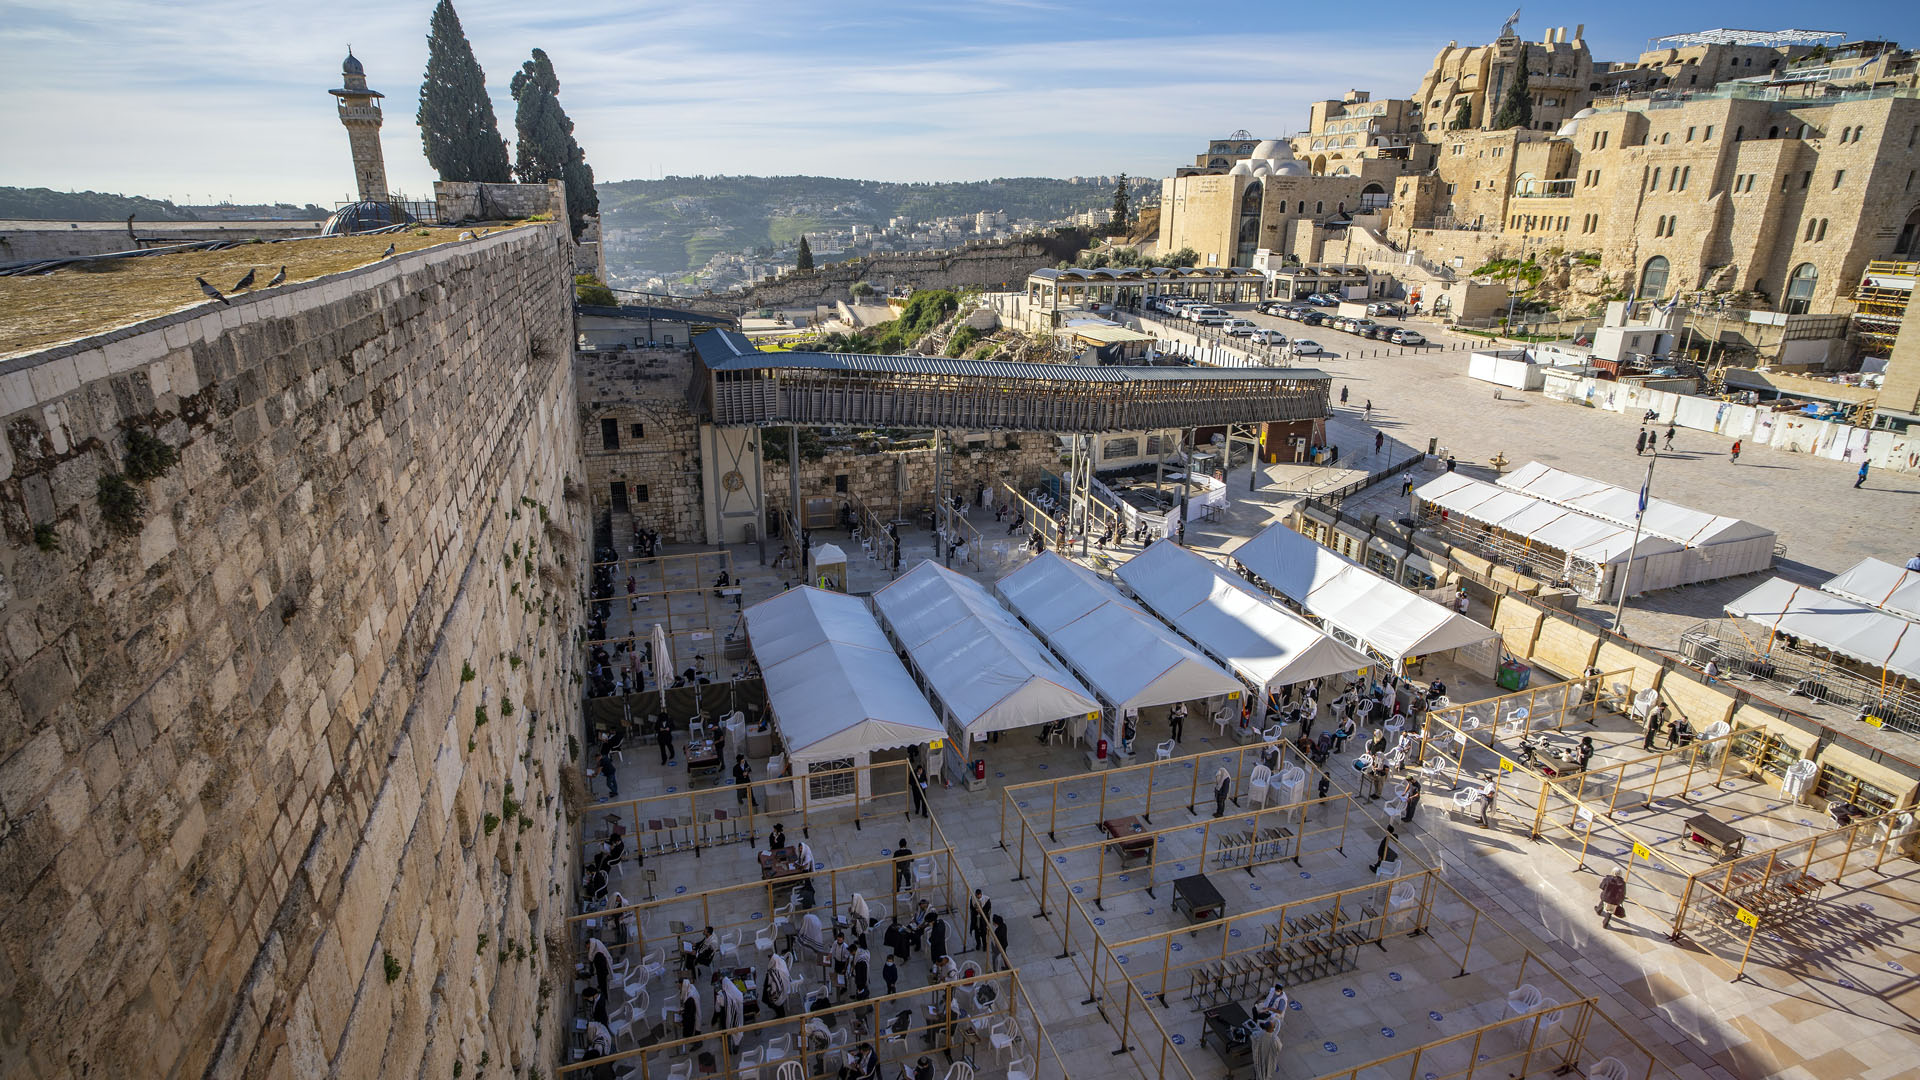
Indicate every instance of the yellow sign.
{"type": "Point", "coordinates": [1506, 765]}
{"type": "Point", "coordinates": [1874, 721]}
{"type": "Point", "coordinates": [1747, 917]}
{"type": "Point", "coordinates": [1641, 851]}
{"type": "Point", "coordinates": [1235, 696]}
{"type": "Point", "coordinates": [936, 744]}
{"type": "Point", "coordinates": [1093, 716]}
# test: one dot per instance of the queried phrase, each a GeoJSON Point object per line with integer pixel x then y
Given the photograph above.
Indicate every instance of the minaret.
{"type": "Point", "coordinates": [360, 112]}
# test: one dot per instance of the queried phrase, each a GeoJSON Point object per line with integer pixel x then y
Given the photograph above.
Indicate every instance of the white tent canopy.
{"type": "Point", "coordinates": [1129, 659]}
{"type": "Point", "coordinates": [833, 682]}
{"type": "Point", "coordinates": [1609, 502]}
{"type": "Point", "coordinates": [1393, 621]}
{"type": "Point", "coordinates": [1844, 626]}
{"type": "Point", "coordinates": [990, 672]}
{"type": "Point", "coordinates": [1265, 644]}
{"type": "Point", "coordinates": [1880, 584]}
{"type": "Point", "coordinates": [1529, 518]}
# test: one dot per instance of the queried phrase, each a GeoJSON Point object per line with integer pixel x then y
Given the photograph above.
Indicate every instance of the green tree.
{"type": "Point", "coordinates": [1516, 108]}
{"type": "Point", "coordinates": [457, 127]}
{"type": "Point", "coordinates": [1464, 117]}
{"type": "Point", "coordinates": [546, 149]}
{"type": "Point", "coordinates": [1120, 214]}
{"type": "Point", "coordinates": [804, 261]}
{"type": "Point", "coordinates": [593, 292]}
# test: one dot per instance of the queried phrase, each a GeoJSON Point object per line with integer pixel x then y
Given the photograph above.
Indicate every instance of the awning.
{"type": "Point", "coordinates": [1538, 521]}
{"type": "Point", "coordinates": [833, 682]}
{"type": "Point", "coordinates": [1880, 584]}
{"type": "Point", "coordinates": [1393, 621]}
{"type": "Point", "coordinates": [1125, 655]}
{"type": "Point", "coordinates": [1619, 505]}
{"type": "Point", "coordinates": [1845, 626]}
{"type": "Point", "coordinates": [1232, 621]}
{"type": "Point", "coordinates": [990, 672]}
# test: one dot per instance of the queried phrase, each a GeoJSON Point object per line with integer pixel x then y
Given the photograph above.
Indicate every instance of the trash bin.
{"type": "Point", "coordinates": [1513, 675]}
{"type": "Point", "coordinates": [977, 774]}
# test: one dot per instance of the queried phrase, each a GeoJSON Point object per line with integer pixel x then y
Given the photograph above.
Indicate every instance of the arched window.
{"type": "Point", "coordinates": [1739, 133]}
{"type": "Point", "coordinates": [1319, 207]}
{"type": "Point", "coordinates": [1773, 133]}
{"type": "Point", "coordinates": [1822, 234]}
{"type": "Point", "coordinates": [1800, 288]}
{"type": "Point", "coordinates": [1250, 200]}
{"type": "Point", "coordinates": [1909, 234]}
{"type": "Point", "coordinates": [1653, 279]}
{"type": "Point", "coordinates": [1811, 223]}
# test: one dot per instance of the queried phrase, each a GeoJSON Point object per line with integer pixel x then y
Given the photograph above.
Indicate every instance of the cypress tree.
{"type": "Point", "coordinates": [1120, 210]}
{"type": "Point", "coordinates": [546, 149]}
{"type": "Point", "coordinates": [1464, 117]}
{"type": "Point", "coordinates": [804, 262]}
{"type": "Point", "coordinates": [457, 127]}
{"type": "Point", "coordinates": [1516, 108]}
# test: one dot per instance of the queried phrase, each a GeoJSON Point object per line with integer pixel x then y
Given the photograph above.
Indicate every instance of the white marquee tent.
{"type": "Point", "coordinates": [1579, 547]}
{"type": "Point", "coordinates": [834, 686]}
{"type": "Point", "coordinates": [1265, 644]}
{"type": "Point", "coordinates": [1845, 626]}
{"type": "Point", "coordinates": [1880, 584]}
{"type": "Point", "coordinates": [1391, 621]}
{"type": "Point", "coordinates": [988, 671]}
{"type": "Point", "coordinates": [1718, 546]}
{"type": "Point", "coordinates": [1129, 659]}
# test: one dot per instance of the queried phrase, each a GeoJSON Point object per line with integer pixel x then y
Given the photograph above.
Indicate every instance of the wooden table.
{"type": "Point", "coordinates": [1132, 851]}
{"type": "Point", "coordinates": [1223, 1024]}
{"type": "Point", "coordinates": [1196, 897]}
{"type": "Point", "coordinates": [703, 759]}
{"type": "Point", "coordinates": [1715, 836]}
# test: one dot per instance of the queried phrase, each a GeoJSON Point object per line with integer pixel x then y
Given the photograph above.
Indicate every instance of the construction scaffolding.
{"type": "Point", "coordinates": [1880, 303]}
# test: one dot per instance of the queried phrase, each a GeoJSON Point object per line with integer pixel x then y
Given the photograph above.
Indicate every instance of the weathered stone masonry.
{"type": "Point", "coordinates": [246, 793]}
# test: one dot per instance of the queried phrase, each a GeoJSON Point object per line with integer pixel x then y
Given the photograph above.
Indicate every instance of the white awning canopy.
{"type": "Point", "coordinates": [1845, 626]}
{"type": "Point", "coordinates": [1880, 584]}
{"type": "Point", "coordinates": [1393, 621]}
{"type": "Point", "coordinates": [833, 682]}
{"type": "Point", "coordinates": [1539, 521]}
{"type": "Point", "coordinates": [1129, 659]}
{"type": "Point", "coordinates": [1264, 643]}
{"type": "Point", "coordinates": [1612, 503]}
{"type": "Point", "coordinates": [990, 672]}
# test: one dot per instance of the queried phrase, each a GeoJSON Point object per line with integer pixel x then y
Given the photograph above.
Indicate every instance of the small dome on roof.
{"type": "Point", "coordinates": [1274, 150]}
{"type": "Point", "coordinates": [351, 65]}
{"type": "Point", "coordinates": [1241, 168]}
{"type": "Point", "coordinates": [1583, 114]}
{"type": "Point", "coordinates": [364, 217]}
{"type": "Point", "coordinates": [1288, 168]}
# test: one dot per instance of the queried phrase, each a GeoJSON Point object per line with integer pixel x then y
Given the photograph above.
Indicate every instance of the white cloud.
{"type": "Point", "coordinates": [229, 98]}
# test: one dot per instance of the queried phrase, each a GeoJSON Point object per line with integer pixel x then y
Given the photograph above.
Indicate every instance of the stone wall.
{"type": "Point", "coordinates": [465, 200]}
{"type": "Point", "coordinates": [1007, 263]}
{"type": "Point", "coordinates": [256, 819]}
{"type": "Point", "coordinates": [24, 241]}
{"type": "Point", "coordinates": [1018, 459]}
{"type": "Point", "coordinates": [659, 467]}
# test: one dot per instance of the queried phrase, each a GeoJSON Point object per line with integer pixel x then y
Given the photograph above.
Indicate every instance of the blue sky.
{"type": "Point", "coordinates": [228, 98]}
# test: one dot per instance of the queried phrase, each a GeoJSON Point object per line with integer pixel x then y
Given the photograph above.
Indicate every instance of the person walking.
{"type": "Point", "coordinates": [917, 787]}
{"type": "Point", "coordinates": [1369, 410]}
{"type": "Point", "coordinates": [1613, 899]}
{"type": "Point", "coordinates": [1176, 720]}
{"type": "Point", "coordinates": [1640, 443]}
{"type": "Point", "coordinates": [1413, 798]}
{"type": "Point", "coordinates": [1669, 434]}
{"type": "Point", "coordinates": [1485, 802]}
{"type": "Point", "coordinates": [1735, 458]}
{"type": "Point", "coordinates": [743, 779]}
{"type": "Point", "coordinates": [977, 925]}
{"type": "Point", "coordinates": [607, 774]}
{"type": "Point", "coordinates": [1861, 478]}
{"type": "Point", "coordinates": [1222, 785]}
{"type": "Point", "coordinates": [1000, 935]}
{"type": "Point", "coordinates": [902, 867]}
{"type": "Point", "coordinates": [1379, 440]}
{"type": "Point", "coordinates": [1343, 395]}
{"type": "Point", "coordinates": [1655, 718]}
{"type": "Point", "coordinates": [663, 734]}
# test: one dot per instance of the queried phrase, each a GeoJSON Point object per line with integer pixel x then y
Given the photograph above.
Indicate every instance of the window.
{"type": "Point", "coordinates": [1839, 176]}
{"type": "Point", "coordinates": [1707, 135]}
{"type": "Point", "coordinates": [1319, 207]}
{"type": "Point", "coordinates": [1806, 180]}
{"type": "Point", "coordinates": [1800, 286]}
{"type": "Point", "coordinates": [1653, 278]}
{"type": "Point", "coordinates": [837, 783]}
{"type": "Point", "coordinates": [1689, 134]}
{"type": "Point", "coordinates": [1739, 133]}
{"type": "Point", "coordinates": [1666, 137]}
{"type": "Point", "coordinates": [639, 493]}
{"type": "Point", "coordinates": [1120, 448]}
{"type": "Point", "coordinates": [638, 431]}
{"type": "Point", "coordinates": [1822, 234]}
{"type": "Point", "coordinates": [1810, 225]}
{"type": "Point", "coordinates": [1686, 173]}
{"type": "Point", "coordinates": [609, 434]}
{"type": "Point", "coordinates": [1655, 186]}
{"type": "Point", "coordinates": [840, 483]}
{"type": "Point", "coordinates": [617, 496]}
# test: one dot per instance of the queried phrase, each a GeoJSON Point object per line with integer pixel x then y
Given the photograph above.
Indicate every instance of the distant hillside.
{"type": "Point", "coordinates": [686, 220]}
{"type": "Point", "coordinates": [45, 204]}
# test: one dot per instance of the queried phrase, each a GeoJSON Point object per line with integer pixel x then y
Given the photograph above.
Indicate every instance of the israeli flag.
{"type": "Point", "coordinates": [1643, 498]}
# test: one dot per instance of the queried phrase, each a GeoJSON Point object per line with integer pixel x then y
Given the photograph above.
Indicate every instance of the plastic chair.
{"type": "Point", "coordinates": [1523, 999]}
{"type": "Point", "coordinates": [1394, 807]}
{"type": "Point", "coordinates": [1163, 751]}
{"type": "Point", "coordinates": [960, 1070]}
{"type": "Point", "coordinates": [1001, 1037]}
{"type": "Point", "coordinates": [763, 940]}
{"type": "Point", "coordinates": [1464, 799]}
{"type": "Point", "coordinates": [748, 1065]}
{"type": "Point", "coordinates": [682, 1070]}
{"type": "Point", "coordinates": [1607, 1069]}
{"type": "Point", "coordinates": [1223, 720]}
{"type": "Point", "coordinates": [790, 1070]}
{"type": "Point", "coordinates": [730, 945]}
{"type": "Point", "coordinates": [923, 872]}
{"type": "Point", "coordinates": [778, 1047]}
{"type": "Point", "coordinates": [1019, 1069]}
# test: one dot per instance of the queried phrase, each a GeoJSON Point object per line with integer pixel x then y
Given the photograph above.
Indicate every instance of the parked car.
{"type": "Point", "coordinates": [1304, 347]}
{"type": "Point", "coordinates": [1268, 337]}
{"type": "Point", "coordinates": [1407, 337]}
{"type": "Point", "coordinates": [1240, 327]}
{"type": "Point", "coordinates": [1379, 331]}
{"type": "Point", "coordinates": [1313, 318]}
{"type": "Point", "coordinates": [1384, 308]}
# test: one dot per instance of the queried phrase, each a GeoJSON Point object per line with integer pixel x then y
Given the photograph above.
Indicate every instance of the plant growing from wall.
{"type": "Point", "coordinates": [120, 504]}
{"type": "Point", "coordinates": [490, 823]}
{"type": "Point", "coordinates": [466, 672]}
{"type": "Point", "coordinates": [479, 715]}
{"type": "Point", "coordinates": [392, 965]}
{"type": "Point", "coordinates": [148, 457]}
{"type": "Point", "coordinates": [45, 537]}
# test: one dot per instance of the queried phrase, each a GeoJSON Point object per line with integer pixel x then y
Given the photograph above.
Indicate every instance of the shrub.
{"type": "Point", "coordinates": [45, 537]}
{"type": "Point", "coordinates": [392, 965]}
{"type": "Point", "coordinates": [148, 457]}
{"type": "Point", "coordinates": [490, 823]}
{"type": "Point", "coordinates": [120, 505]}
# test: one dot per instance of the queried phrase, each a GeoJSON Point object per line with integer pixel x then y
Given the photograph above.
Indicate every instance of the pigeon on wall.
{"type": "Point", "coordinates": [277, 278]}
{"type": "Point", "coordinates": [211, 291]}
{"type": "Point", "coordinates": [243, 283]}
{"type": "Point", "coordinates": [387, 254]}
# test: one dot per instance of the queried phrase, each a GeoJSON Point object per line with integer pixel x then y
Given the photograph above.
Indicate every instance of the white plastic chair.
{"type": "Point", "coordinates": [922, 872]}
{"type": "Point", "coordinates": [960, 1071]}
{"type": "Point", "coordinates": [1257, 785]}
{"type": "Point", "coordinates": [1001, 1037]}
{"type": "Point", "coordinates": [763, 940]}
{"type": "Point", "coordinates": [1464, 798]}
{"type": "Point", "coordinates": [1607, 1069]}
{"type": "Point", "coordinates": [790, 1070]}
{"type": "Point", "coordinates": [682, 1070]}
{"type": "Point", "coordinates": [1394, 807]}
{"type": "Point", "coordinates": [1019, 1069]}
{"type": "Point", "coordinates": [748, 1065]}
{"type": "Point", "coordinates": [1523, 999]}
{"type": "Point", "coordinates": [730, 945]}
{"type": "Point", "coordinates": [1223, 720]}
{"type": "Point", "coordinates": [1163, 751]}
{"type": "Point", "coordinates": [780, 1046]}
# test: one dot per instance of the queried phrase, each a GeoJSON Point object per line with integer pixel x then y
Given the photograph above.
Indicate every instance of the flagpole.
{"type": "Point", "coordinates": [1639, 518]}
